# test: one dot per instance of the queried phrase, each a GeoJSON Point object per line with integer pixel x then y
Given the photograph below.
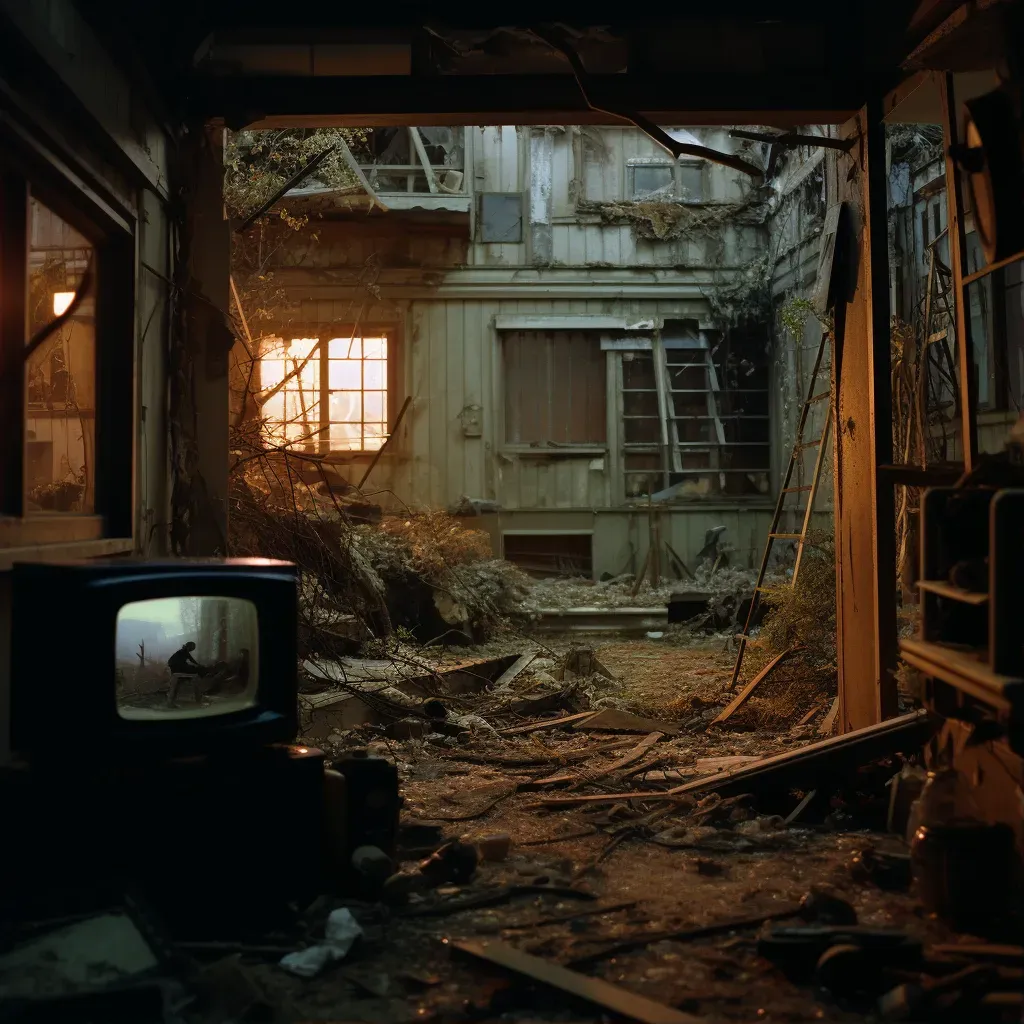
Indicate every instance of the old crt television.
{"type": "Point", "coordinates": [152, 659]}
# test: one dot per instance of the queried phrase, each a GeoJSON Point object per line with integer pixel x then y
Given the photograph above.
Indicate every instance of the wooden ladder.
{"type": "Point", "coordinates": [811, 490]}
{"type": "Point", "coordinates": [939, 320]}
{"type": "Point", "coordinates": [672, 461]}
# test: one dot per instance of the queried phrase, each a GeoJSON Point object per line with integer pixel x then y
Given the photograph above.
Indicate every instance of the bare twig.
{"type": "Point", "coordinates": [649, 128]}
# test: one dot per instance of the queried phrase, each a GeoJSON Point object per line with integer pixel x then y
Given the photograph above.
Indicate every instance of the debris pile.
{"type": "Point", "coordinates": [422, 572]}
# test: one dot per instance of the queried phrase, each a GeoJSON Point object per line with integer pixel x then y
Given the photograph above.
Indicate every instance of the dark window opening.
{"type": "Point", "coordinates": [550, 554]}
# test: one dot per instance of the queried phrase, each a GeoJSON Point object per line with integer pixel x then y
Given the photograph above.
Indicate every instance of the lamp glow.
{"type": "Point", "coordinates": [61, 301]}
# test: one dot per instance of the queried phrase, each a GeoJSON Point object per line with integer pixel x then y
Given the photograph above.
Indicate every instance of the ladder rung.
{"type": "Point", "coordinates": [786, 536]}
{"type": "Point", "coordinates": [819, 396]}
{"type": "Point", "coordinates": [795, 490]}
{"type": "Point", "coordinates": [805, 444]}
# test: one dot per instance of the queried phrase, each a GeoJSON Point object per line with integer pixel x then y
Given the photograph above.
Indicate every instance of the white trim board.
{"type": "Point", "coordinates": [568, 322]}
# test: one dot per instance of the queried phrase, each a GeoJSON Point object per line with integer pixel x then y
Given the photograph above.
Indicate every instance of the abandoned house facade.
{"type": "Point", "coordinates": [565, 322]}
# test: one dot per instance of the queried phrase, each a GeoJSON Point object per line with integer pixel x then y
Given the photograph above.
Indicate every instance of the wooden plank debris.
{"type": "Point", "coordinates": [834, 756]}
{"type": "Point", "coordinates": [539, 922]}
{"type": "Point", "coordinates": [610, 720]}
{"type": "Point", "coordinates": [810, 714]}
{"type": "Point", "coordinates": [548, 723]}
{"type": "Point", "coordinates": [828, 726]}
{"type": "Point", "coordinates": [592, 990]}
{"type": "Point", "coordinates": [801, 807]}
{"type": "Point", "coordinates": [689, 934]}
{"type": "Point", "coordinates": [741, 698]}
{"type": "Point", "coordinates": [517, 668]}
{"type": "Point", "coordinates": [718, 764]}
{"type": "Point", "coordinates": [627, 759]}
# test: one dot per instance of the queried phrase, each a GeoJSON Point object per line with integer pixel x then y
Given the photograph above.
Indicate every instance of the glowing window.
{"type": "Point", "coordinates": [326, 395]}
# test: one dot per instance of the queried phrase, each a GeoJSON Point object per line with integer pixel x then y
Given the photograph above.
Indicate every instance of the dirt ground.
{"type": "Point", "coordinates": [732, 861]}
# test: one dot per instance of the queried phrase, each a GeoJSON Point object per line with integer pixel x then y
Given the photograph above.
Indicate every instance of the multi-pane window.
{"type": "Point", "coordinates": [650, 180]}
{"type": "Point", "coordinates": [60, 374]}
{"type": "Point", "coordinates": [555, 387]}
{"type": "Point", "coordinates": [326, 394]}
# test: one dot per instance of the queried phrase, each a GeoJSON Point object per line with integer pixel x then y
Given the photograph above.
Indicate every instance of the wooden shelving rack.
{"type": "Point", "coordinates": [971, 644]}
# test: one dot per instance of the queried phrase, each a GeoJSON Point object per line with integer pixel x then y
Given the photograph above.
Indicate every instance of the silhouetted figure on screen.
{"type": "Point", "coordinates": [183, 666]}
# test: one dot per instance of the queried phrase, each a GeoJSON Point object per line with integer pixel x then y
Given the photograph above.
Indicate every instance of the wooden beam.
{"type": "Point", "coordinates": [741, 698]}
{"type": "Point", "coordinates": [549, 723]}
{"type": "Point", "coordinates": [834, 757]}
{"type": "Point", "coordinates": [352, 101]}
{"type": "Point", "coordinates": [864, 502]}
{"type": "Point", "coordinates": [13, 323]}
{"type": "Point", "coordinates": [595, 991]}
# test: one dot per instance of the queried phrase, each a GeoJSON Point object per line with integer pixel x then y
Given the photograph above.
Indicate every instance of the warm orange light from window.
{"type": "Point", "coordinates": [61, 301]}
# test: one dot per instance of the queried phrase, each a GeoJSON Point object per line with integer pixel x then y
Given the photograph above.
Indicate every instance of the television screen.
{"type": "Point", "coordinates": [186, 657]}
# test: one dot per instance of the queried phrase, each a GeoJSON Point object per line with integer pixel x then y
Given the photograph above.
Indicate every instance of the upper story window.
{"type": "Point", "coordinates": [655, 180]}
{"type": "Point", "coordinates": [417, 160]}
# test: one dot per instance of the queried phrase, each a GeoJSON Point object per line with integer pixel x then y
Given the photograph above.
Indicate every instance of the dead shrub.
{"type": "Point", "coordinates": [801, 617]}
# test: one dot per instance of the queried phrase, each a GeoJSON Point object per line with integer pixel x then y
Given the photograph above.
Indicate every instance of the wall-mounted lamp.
{"type": "Point", "coordinates": [61, 301]}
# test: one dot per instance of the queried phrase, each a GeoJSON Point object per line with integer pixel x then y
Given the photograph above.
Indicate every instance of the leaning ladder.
{"type": "Point", "coordinates": [811, 490]}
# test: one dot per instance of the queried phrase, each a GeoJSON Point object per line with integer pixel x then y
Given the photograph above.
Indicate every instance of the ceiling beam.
{"type": "Point", "coordinates": [272, 102]}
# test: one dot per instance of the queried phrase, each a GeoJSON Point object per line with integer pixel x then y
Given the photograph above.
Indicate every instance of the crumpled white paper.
{"type": "Point", "coordinates": [340, 934]}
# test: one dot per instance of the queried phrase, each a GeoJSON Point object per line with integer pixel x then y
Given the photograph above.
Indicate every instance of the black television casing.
{"type": "Point", "coordinates": [63, 660]}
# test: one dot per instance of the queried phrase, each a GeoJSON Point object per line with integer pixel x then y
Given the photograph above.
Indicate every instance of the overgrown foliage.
{"type": "Point", "coordinates": [803, 615]}
{"type": "Point", "coordinates": [256, 165]}
{"type": "Point", "coordinates": [662, 220]}
{"type": "Point", "coordinates": [801, 619]}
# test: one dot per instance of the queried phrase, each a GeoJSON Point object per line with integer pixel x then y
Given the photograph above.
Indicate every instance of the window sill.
{"type": "Point", "coordinates": [49, 528]}
{"type": "Point", "coordinates": [583, 451]}
{"type": "Point", "coordinates": [71, 551]}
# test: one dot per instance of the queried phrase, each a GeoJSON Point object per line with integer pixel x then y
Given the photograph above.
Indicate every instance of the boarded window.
{"type": "Point", "coordinates": [555, 386]}
{"type": "Point", "coordinates": [501, 218]}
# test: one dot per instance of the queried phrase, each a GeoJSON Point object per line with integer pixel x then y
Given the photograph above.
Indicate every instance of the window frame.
{"type": "Point", "coordinates": [28, 170]}
{"type": "Point", "coordinates": [390, 331]}
{"type": "Point", "coordinates": [669, 448]}
{"type": "Point", "coordinates": [581, 448]}
{"type": "Point", "coordinates": [676, 166]}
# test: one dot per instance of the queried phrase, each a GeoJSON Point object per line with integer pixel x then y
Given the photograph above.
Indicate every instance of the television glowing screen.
{"type": "Point", "coordinates": [186, 657]}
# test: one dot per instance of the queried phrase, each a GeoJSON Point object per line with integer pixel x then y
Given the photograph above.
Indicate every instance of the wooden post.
{"type": "Point", "coordinates": [864, 507]}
